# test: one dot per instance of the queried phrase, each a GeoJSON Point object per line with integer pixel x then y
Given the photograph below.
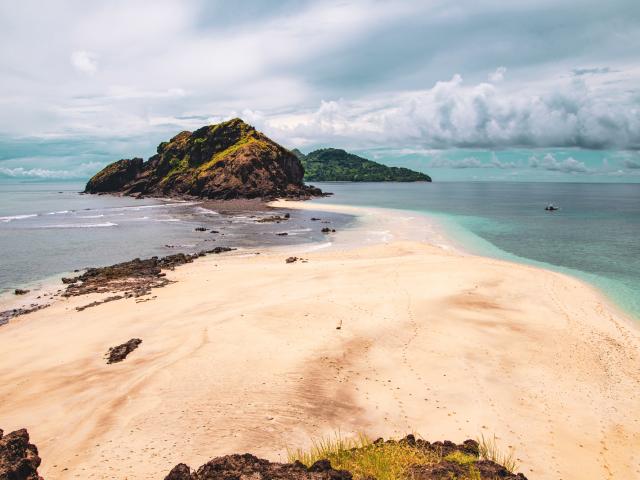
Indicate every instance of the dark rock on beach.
{"type": "Point", "coordinates": [291, 259]}
{"type": "Point", "coordinates": [327, 230]}
{"type": "Point", "coordinates": [225, 161]}
{"type": "Point", "coordinates": [446, 470]}
{"type": "Point", "coordinates": [136, 276]}
{"type": "Point", "coordinates": [20, 291]}
{"type": "Point", "coordinates": [7, 315]}
{"type": "Point", "coordinates": [19, 459]}
{"type": "Point", "coordinates": [248, 466]}
{"type": "Point", "coordinates": [274, 218]}
{"type": "Point", "coordinates": [118, 353]}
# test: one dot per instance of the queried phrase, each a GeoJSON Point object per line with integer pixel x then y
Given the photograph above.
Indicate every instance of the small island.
{"type": "Point", "coordinates": [228, 160]}
{"type": "Point", "coordinates": [335, 165]}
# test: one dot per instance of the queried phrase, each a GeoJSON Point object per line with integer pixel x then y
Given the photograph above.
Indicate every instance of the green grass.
{"type": "Point", "coordinates": [391, 460]}
{"type": "Point", "coordinates": [461, 458]}
{"type": "Point", "coordinates": [363, 458]}
{"type": "Point", "coordinates": [490, 450]}
{"type": "Point", "coordinates": [228, 151]}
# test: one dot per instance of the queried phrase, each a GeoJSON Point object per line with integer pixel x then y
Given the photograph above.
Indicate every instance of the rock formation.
{"type": "Point", "coordinates": [118, 353]}
{"type": "Point", "coordinates": [19, 459]}
{"type": "Point", "coordinates": [249, 467]}
{"type": "Point", "coordinates": [223, 161]}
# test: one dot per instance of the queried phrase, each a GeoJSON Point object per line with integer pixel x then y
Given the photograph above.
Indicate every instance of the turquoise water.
{"type": "Point", "coordinates": [595, 235]}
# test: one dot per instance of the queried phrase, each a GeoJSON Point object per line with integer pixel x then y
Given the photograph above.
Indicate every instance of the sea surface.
{"type": "Point", "coordinates": [49, 229]}
{"type": "Point", "coordinates": [595, 235]}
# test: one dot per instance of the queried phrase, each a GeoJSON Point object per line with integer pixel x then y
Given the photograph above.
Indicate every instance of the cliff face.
{"type": "Point", "coordinates": [224, 161]}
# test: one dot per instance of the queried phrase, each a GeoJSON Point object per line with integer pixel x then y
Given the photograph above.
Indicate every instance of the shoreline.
{"type": "Point", "coordinates": [242, 353]}
{"type": "Point", "coordinates": [42, 291]}
{"type": "Point", "coordinates": [441, 235]}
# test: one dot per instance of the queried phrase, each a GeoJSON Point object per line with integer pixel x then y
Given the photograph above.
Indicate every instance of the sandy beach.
{"type": "Point", "coordinates": [242, 354]}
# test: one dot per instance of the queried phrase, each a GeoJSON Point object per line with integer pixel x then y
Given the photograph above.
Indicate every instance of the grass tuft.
{"type": "Point", "coordinates": [363, 458]}
{"type": "Point", "coordinates": [461, 458]}
{"type": "Point", "coordinates": [490, 450]}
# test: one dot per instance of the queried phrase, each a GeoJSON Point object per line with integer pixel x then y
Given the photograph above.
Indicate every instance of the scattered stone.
{"type": "Point", "coordinates": [120, 352]}
{"type": "Point", "coordinates": [67, 280]}
{"type": "Point", "coordinates": [7, 315]}
{"type": "Point", "coordinates": [19, 459]}
{"type": "Point", "coordinates": [96, 303]}
{"type": "Point", "coordinates": [20, 291]}
{"type": "Point", "coordinates": [201, 229]}
{"type": "Point", "coordinates": [274, 218]}
{"type": "Point", "coordinates": [291, 259]}
{"type": "Point", "coordinates": [214, 231]}
{"type": "Point", "coordinates": [283, 234]}
{"type": "Point", "coordinates": [314, 219]}
{"type": "Point", "coordinates": [327, 230]}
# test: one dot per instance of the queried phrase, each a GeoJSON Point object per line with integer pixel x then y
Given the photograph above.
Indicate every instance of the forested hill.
{"type": "Point", "coordinates": [332, 164]}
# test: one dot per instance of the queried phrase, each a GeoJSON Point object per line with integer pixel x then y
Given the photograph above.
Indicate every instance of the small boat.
{"type": "Point", "coordinates": [551, 208]}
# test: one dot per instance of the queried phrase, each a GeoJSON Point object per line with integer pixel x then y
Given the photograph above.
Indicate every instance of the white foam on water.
{"type": "Point", "coordinates": [206, 211]}
{"type": "Point", "coordinates": [162, 205]}
{"type": "Point", "coordinates": [81, 225]}
{"type": "Point", "coordinates": [17, 217]}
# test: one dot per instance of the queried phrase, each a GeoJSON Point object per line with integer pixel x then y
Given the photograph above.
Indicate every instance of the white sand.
{"type": "Point", "coordinates": [242, 354]}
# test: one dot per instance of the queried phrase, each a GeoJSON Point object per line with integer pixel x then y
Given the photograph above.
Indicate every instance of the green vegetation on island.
{"type": "Point", "coordinates": [224, 161]}
{"type": "Point", "coordinates": [335, 165]}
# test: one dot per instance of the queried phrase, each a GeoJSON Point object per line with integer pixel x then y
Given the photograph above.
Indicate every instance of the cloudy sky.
{"type": "Point", "coordinates": [533, 89]}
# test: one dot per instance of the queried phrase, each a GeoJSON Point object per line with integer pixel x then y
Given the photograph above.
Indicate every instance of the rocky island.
{"type": "Point", "coordinates": [335, 165]}
{"type": "Point", "coordinates": [228, 160]}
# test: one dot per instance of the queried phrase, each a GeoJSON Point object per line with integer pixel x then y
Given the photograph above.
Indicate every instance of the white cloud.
{"type": "Point", "coordinates": [81, 171]}
{"type": "Point", "coordinates": [453, 114]}
{"type": "Point", "coordinates": [84, 62]}
{"type": "Point", "coordinates": [470, 162]}
{"type": "Point", "coordinates": [326, 72]}
{"type": "Point", "coordinates": [549, 162]}
{"type": "Point", "coordinates": [498, 75]}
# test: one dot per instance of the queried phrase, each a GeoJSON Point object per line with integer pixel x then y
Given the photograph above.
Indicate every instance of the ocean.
{"type": "Point", "coordinates": [595, 234]}
{"type": "Point", "coordinates": [48, 229]}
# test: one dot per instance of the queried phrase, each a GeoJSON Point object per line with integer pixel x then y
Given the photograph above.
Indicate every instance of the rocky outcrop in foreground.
{"type": "Point", "coordinates": [19, 459]}
{"type": "Point", "coordinates": [453, 461]}
{"type": "Point", "coordinates": [249, 467]}
{"type": "Point", "coordinates": [224, 161]}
